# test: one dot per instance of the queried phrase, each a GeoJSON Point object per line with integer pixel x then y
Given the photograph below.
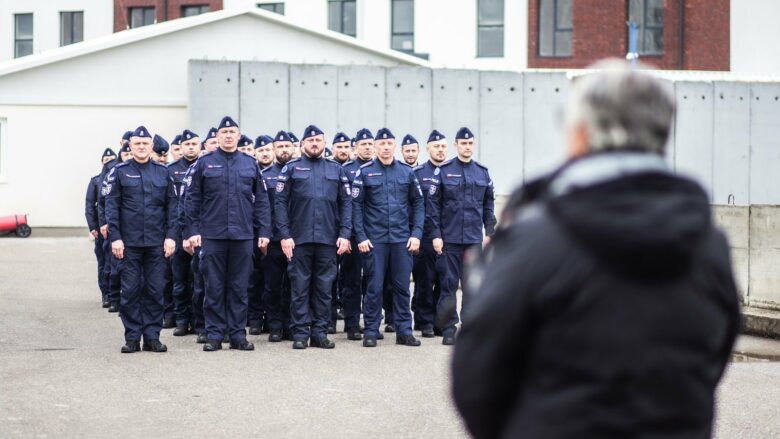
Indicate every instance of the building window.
{"type": "Point", "coordinates": [141, 17]}
{"type": "Point", "coordinates": [402, 30]}
{"type": "Point", "coordinates": [555, 27]}
{"type": "Point", "coordinates": [649, 18]}
{"type": "Point", "coordinates": [189, 11]}
{"type": "Point", "coordinates": [273, 7]}
{"type": "Point", "coordinates": [23, 35]}
{"type": "Point", "coordinates": [71, 27]}
{"type": "Point", "coordinates": [490, 28]}
{"type": "Point", "coordinates": [342, 16]}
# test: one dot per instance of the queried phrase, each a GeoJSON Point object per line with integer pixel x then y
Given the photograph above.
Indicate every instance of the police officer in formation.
{"type": "Point", "coordinates": [248, 235]}
{"type": "Point", "coordinates": [313, 212]}
{"type": "Point", "coordinates": [140, 212]}
{"type": "Point", "coordinates": [460, 206]}
{"type": "Point", "coordinates": [228, 212]}
{"type": "Point", "coordinates": [388, 215]}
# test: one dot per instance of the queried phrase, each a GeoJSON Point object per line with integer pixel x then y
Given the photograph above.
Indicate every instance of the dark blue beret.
{"type": "Point", "coordinates": [364, 134]}
{"type": "Point", "coordinates": [327, 153]}
{"type": "Point", "coordinates": [125, 148]}
{"type": "Point", "coordinates": [435, 136]}
{"type": "Point", "coordinates": [126, 135]}
{"type": "Point", "coordinates": [311, 131]}
{"type": "Point", "coordinates": [176, 140]}
{"type": "Point", "coordinates": [340, 138]}
{"type": "Point", "coordinates": [160, 145]}
{"type": "Point", "coordinates": [292, 137]}
{"type": "Point", "coordinates": [108, 152]}
{"type": "Point", "coordinates": [141, 132]}
{"type": "Point", "coordinates": [212, 133]}
{"type": "Point", "coordinates": [188, 135]}
{"type": "Point", "coordinates": [464, 133]}
{"type": "Point", "coordinates": [408, 140]}
{"type": "Point", "coordinates": [227, 122]}
{"type": "Point", "coordinates": [244, 141]}
{"type": "Point", "coordinates": [283, 136]}
{"type": "Point", "coordinates": [384, 133]}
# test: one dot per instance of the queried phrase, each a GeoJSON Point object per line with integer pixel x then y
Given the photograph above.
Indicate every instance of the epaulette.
{"type": "Point", "coordinates": [419, 167]}
{"type": "Point", "coordinates": [297, 159]}
{"type": "Point", "coordinates": [119, 165]}
{"type": "Point", "coordinates": [159, 164]}
{"type": "Point", "coordinates": [348, 162]}
{"type": "Point", "coordinates": [404, 163]}
{"type": "Point", "coordinates": [174, 162]}
{"type": "Point", "coordinates": [447, 162]}
{"type": "Point", "coordinates": [480, 165]}
{"type": "Point", "coordinates": [368, 163]}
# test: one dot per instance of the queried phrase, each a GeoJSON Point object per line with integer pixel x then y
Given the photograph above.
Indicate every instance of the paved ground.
{"type": "Point", "coordinates": [61, 373]}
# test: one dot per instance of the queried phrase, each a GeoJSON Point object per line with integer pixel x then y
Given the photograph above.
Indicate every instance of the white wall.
{"type": "Point", "coordinates": [444, 29]}
{"type": "Point", "coordinates": [754, 36]}
{"type": "Point", "coordinates": [52, 152]}
{"type": "Point", "coordinates": [98, 20]}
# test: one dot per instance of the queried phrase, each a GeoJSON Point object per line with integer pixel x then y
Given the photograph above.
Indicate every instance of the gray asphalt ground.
{"type": "Point", "coordinates": [61, 373]}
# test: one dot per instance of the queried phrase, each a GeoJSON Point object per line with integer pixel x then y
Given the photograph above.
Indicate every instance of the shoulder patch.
{"type": "Point", "coordinates": [480, 165]}
{"type": "Point", "coordinates": [284, 168]}
{"type": "Point", "coordinates": [437, 171]}
{"type": "Point", "coordinates": [348, 162]}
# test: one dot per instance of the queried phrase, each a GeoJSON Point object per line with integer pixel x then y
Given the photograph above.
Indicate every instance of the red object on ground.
{"type": "Point", "coordinates": [15, 223]}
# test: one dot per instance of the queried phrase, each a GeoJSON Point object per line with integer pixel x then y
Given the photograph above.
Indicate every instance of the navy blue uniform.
{"type": "Point", "coordinates": [427, 286]}
{"type": "Point", "coordinates": [315, 193]}
{"type": "Point", "coordinates": [110, 262]}
{"type": "Point", "coordinates": [181, 262]}
{"type": "Point", "coordinates": [91, 214]}
{"type": "Point", "coordinates": [387, 210]}
{"type": "Point", "coordinates": [198, 282]}
{"type": "Point", "coordinates": [140, 209]}
{"type": "Point", "coordinates": [227, 206]}
{"type": "Point", "coordinates": [276, 293]}
{"type": "Point", "coordinates": [460, 203]}
{"type": "Point", "coordinates": [352, 266]}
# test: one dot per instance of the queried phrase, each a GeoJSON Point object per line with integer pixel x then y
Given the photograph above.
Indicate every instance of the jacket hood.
{"type": "Point", "coordinates": [632, 212]}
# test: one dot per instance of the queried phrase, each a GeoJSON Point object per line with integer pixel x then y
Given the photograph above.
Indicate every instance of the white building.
{"type": "Point", "coordinates": [35, 26]}
{"type": "Point", "coordinates": [60, 109]}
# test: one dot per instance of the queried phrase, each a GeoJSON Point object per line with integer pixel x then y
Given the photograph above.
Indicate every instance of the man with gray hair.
{"type": "Point", "coordinates": [605, 305]}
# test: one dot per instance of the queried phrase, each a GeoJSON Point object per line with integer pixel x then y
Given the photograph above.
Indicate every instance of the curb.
{"type": "Point", "coordinates": [761, 322]}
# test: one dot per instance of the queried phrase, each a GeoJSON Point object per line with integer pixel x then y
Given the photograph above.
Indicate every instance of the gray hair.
{"type": "Point", "coordinates": [621, 108]}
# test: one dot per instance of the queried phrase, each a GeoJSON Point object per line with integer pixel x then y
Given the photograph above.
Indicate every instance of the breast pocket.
{"type": "Point", "coordinates": [246, 179]}
{"type": "Point", "coordinates": [452, 190]}
{"type": "Point", "coordinates": [332, 183]}
{"type": "Point", "coordinates": [301, 182]}
{"type": "Point", "coordinates": [213, 182]}
{"type": "Point", "coordinates": [480, 188]}
{"type": "Point", "coordinates": [160, 188]}
{"type": "Point", "coordinates": [402, 188]}
{"type": "Point", "coordinates": [373, 188]}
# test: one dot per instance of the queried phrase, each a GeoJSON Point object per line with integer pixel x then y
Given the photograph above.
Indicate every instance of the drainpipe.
{"type": "Point", "coordinates": [682, 34]}
{"type": "Point", "coordinates": [165, 10]}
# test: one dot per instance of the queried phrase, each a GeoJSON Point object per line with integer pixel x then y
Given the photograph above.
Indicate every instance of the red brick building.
{"type": "Point", "coordinates": [135, 13]}
{"type": "Point", "coordinates": [673, 34]}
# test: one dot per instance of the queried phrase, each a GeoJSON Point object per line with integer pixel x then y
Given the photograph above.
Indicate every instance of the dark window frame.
{"type": "Point", "coordinates": [341, 16]}
{"type": "Point", "coordinates": [72, 15]}
{"type": "Point", "coordinates": [17, 39]}
{"type": "Point", "coordinates": [555, 31]}
{"type": "Point", "coordinates": [144, 9]}
{"type": "Point", "coordinates": [394, 34]}
{"type": "Point", "coordinates": [275, 7]}
{"type": "Point", "coordinates": [501, 26]}
{"type": "Point", "coordinates": [199, 7]}
{"type": "Point", "coordinates": [641, 31]}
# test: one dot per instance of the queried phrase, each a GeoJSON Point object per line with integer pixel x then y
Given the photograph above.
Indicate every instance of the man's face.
{"type": "Point", "coordinates": [437, 151]}
{"type": "Point", "coordinates": [176, 152]}
{"type": "Point", "coordinates": [107, 159]}
{"type": "Point", "coordinates": [212, 144]}
{"type": "Point", "coordinates": [228, 138]}
{"type": "Point", "coordinates": [141, 148]}
{"type": "Point", "coordinates": [283, 151]}
{"type": "Point", "coordinates": [126, 156]}
{"type": "Point", "coordinates": [160, 157]}
{"type": "Point", "coordinates": [385, 149]}
{"type": "Point", "coordinates": [365, 149]}
{"type": "Point", "coordinates": [190, 148]}
{"type": "Point", "coordinates": [296, 151]}
{"type": "Point", "coordinates": [341, 151]}
{"type": "Point", "coordinates": [248, 150]}
{"type": "Point", "coordinates": [265, 155]}
{"type": "Point", "coordinates": [410, 153]}
{"type": "Point", "coordinates": [314, 146]}
{"type": "Point", "coordinates": [465, 149]}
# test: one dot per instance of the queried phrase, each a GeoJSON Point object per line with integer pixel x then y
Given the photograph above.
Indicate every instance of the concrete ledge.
{"type": "Point", "coordinates": [761, 322]}
{"type": "Point", "coordinates": [53, 232]}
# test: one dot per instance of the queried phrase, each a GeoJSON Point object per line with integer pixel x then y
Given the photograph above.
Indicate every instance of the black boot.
{"type": "Point", "coordinates": [299, 344]}
{"type": "Point", "coordinates": [131, 346]}
{"type": "Point", "coordinates": [275, 336]}
{"type": "Point", "coordinates": [169, 322]}
{"type": "Point", "coordinates": [354, 334]}
{"type": "Point", "coordinates": [212, 345]}
{"type": "Point", "coordinates": [202, 338]}
{"type": "Point", "coordinates": [113, 307]}
{"type": "Point", "coordinates": [407, 340]}
{"type": "Point", "coordinates": [427, 332]}
{"type": "Point", "coordinates": [181, 330]}
{"type": "Point", "coordinates": [255, 328]}
{"type": "Point", "coordinates": [242, 345]}
{"type": "Point", "coordinates": [105, 304]}
{"type": "Point", "coordinates": [322, 343]}
{"type": "Point", "coordinates": [154, 346]}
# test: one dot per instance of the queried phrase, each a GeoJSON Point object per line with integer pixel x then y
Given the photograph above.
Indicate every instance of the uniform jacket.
{"type": "Point", "coordinates": [460, 202]}
{"type": "Point", "coordinates": [604, 307]}
{"type": "Point", "coordinates": [90, 202]}
{"type": "Point", "coordinates": [270, 176]}
{"type": "Point", "coordinates": [226, 198]}
{"type": "Point", "coordinates": [312, 203]}
{"type": "Point", "coordinates": [101, 201]}
{"type": "Point", "coordinates": [387, 203]}
{"type": "Point", "coordinates": [177, 171]}
{"type": "Point", "coordinates": [140, 204]}
{"type": "Point", "coordinates": [425, 176]}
